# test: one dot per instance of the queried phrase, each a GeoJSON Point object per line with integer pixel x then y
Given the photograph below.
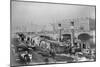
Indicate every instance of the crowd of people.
{"type": "Point", "coordinates": [45, 46]}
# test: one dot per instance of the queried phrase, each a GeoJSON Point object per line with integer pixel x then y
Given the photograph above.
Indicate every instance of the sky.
{"type": "Point", "coordinates": [37, 15]}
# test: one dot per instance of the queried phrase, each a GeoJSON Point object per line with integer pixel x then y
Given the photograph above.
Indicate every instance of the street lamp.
{"type": "Point", "coordinates": [59, 27]}
{"type": "Point", "coordinates": [72, 33]}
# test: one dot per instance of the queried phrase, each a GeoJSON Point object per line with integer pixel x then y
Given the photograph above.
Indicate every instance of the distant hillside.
{"type": "Point", "coordinates": [25, 27]}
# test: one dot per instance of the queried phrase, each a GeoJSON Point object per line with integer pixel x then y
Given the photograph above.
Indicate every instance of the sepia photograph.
{"type": "Point", "coordinates": [44, 33]}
